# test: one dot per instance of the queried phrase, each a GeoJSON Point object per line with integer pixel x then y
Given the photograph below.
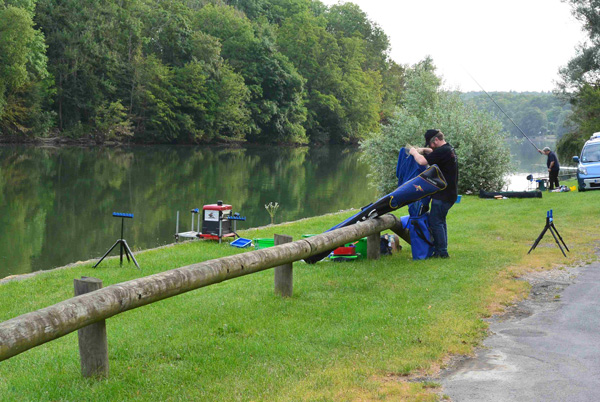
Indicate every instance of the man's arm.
{"type": "Point", "coordinates": [420, 159]}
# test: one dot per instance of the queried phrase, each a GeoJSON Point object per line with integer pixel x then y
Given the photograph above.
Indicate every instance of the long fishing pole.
{"type": "Point", "coordinates": [502, 110]}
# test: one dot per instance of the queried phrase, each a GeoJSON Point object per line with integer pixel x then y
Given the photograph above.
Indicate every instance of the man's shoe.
{"type": "Point", "coordinates": [434, 255]}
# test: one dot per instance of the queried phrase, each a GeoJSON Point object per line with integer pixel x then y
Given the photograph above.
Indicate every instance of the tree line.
{"type": "Point", "coordinates": [191, 71]}
{"type": "Point", "coordinates": [536, 113]}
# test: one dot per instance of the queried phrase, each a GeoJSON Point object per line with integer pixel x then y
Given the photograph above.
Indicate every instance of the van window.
{"type": "Point", "coordinates": [591, 153]}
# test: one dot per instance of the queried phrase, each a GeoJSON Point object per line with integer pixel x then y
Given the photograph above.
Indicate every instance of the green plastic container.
{"type": "Point", "coordinates": [263, 243]}
{"type": "Point", "coordinates": [361, 247]}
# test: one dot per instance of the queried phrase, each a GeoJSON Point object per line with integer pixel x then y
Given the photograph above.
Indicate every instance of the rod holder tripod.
{"type": "Point", "coordinates": [550, 226]}
{"type": "Point", "coordinates": [122, 242]}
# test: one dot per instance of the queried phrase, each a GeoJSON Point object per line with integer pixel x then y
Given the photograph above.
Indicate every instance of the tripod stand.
{"type": "Point", "coordinates": [122, 242]}
{"type": "Point", "coordinates": [550, 226]}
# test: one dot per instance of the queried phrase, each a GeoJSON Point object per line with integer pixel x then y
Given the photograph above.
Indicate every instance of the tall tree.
{"type": "Point", "coordinates": [348, 20]}
{"type": "Point", "coordinates": [580, 78]}
{"type": "Point", "coordinates": [275, 86]}
{"type": "Point", "coordinates": [90, 47]}
{"type": "Point", "coordinates": [22, 69]}
{"type": "Point", "coordinates": [534, 121]}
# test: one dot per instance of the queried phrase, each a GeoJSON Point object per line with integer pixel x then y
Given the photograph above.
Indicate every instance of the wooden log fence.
{"type": "Point", "coordinates": [93, 343]}
{"type": "Point", "coordinates": [38, 327]}
{"type": "Point", "coordinates": [284, 274]}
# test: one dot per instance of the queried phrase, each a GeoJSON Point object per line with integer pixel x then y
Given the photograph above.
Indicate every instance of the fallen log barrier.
{"type": "Point", "coordinates": [38, 327]}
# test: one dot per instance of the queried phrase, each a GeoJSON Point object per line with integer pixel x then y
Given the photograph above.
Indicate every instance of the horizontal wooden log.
{"type": "Point", "coordinates": [33, 329]}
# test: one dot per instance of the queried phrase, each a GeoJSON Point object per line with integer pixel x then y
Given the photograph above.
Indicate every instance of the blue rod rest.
{"type": "Point", "coordinates": [122, 215]}
{"type": "Point", "coordinates": [236, 218]}
{"type": "Point", "coordinates": [195, 211]}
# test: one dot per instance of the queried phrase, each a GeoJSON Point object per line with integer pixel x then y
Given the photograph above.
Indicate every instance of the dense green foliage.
{"type": "Point", "coordinates": [580, 80]}
{"type": "Point", "coordinates": [476, 135]}
{"type": "Point", "coordinates": [23, 75]}
{"type": "Point", "coordinates": [281, 71]}
{"type": "Point", "coordinates": [536, 113]}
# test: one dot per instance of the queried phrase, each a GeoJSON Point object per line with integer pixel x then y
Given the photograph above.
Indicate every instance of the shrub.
{"type": "Point", "coordinates": [476, 136]}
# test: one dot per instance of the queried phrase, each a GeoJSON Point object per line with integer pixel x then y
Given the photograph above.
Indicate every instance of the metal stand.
{"type": "Point", "coordinates": [236, 217]}
{"type": "Point", "coordinates": [122, 242]}
{"type": "Point", "coordinates": [191, 234]}
{"type": "Point", "coordinates": [550, 226]}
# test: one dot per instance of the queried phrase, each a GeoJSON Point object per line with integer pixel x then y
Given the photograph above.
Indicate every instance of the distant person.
{"type": "Point", "coordinates": [553, 167]}
{"type": "Point", "coordinates": [437, 151]}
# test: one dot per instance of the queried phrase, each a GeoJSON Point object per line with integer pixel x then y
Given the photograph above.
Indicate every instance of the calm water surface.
{"type": "Point", "coordinates": [56, 204]}
{"type": "Point", "coordinates": [526, 160]}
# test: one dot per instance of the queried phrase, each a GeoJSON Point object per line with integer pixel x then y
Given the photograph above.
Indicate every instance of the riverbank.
{"type": "Point", "coordinates": [95, 260]}
{"type": "Point", "coordinates": [353, 331]}
{"type": "Point", "coordinates": [58, 141]}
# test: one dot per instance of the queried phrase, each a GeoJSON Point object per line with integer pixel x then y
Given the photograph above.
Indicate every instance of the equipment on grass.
{"type": "Point", "coordinates": [191, 234]}
{"type": "Point", "coordinates": [241, 243]}
{"type": "Point", "coordinates": [423, 185]}
{"type": "Point", "coordinates": [216, 223]}
{"type": "Point", "coordinates": [510, 194]}
{"type": "Point", "coordinates": [550, 226]}
{"type": "Point", "coordinates": [122, 242]}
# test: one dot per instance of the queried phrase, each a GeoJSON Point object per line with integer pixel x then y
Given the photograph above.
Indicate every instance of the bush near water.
{"type": "Point", "coordinates": [476, 135]}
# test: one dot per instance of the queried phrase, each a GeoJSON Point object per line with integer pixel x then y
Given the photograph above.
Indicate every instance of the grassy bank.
{"type": "Point", "coordinates": [352, 331]}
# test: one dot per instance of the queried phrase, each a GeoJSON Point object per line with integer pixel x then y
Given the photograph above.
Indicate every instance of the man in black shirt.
{"type": "Point", "coordinates": [437, 151]}
{"type": "Point", "coordinates": [553, 167]}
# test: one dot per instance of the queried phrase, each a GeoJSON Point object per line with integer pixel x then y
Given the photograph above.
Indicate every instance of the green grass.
{"type": "Point", "coordinates": [352, 331]}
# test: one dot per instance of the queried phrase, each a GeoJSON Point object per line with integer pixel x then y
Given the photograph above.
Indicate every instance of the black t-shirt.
{"type": "Point", "coordinates": [552, 157]}
{"type": "Point", "coordinates": [445, 158]}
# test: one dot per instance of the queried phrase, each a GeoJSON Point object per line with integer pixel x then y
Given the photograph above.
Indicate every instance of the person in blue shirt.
{"type": "Point", "coordinates": [553, 167]}
{"type": "Point", "coordinates": [437, 151]}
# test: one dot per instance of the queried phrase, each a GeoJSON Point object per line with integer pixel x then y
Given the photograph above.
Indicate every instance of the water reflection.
{"type": "Point", "coordinates": [526, 160]}
{"type": "Point", "coordinates": [56, 204]}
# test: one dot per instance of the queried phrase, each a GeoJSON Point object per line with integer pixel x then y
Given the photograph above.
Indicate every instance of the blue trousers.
{"type": "Point", "coordinates": [437, 226]}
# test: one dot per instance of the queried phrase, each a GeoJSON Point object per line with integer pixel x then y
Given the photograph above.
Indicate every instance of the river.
{"type": "Point", "coordinates": [56, 204]}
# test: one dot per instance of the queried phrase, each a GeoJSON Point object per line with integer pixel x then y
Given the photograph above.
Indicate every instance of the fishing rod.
{"type": "Point", "coordinates": [502, 110]}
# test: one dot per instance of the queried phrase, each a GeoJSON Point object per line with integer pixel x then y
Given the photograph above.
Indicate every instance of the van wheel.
{"type": "Point", "coordinates": [581, 189]}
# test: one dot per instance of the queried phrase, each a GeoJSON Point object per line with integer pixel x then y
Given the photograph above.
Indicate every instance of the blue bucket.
{"type": "Point", "coordinates": [458, 199]}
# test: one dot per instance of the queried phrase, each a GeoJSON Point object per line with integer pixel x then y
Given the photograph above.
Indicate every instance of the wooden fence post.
{"type": "Point", "coordinates": [284, 274]}
{"type": "Point", "coordinates": [373, 246]}
{"type": "Point", "coordinates": [93, 345]}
